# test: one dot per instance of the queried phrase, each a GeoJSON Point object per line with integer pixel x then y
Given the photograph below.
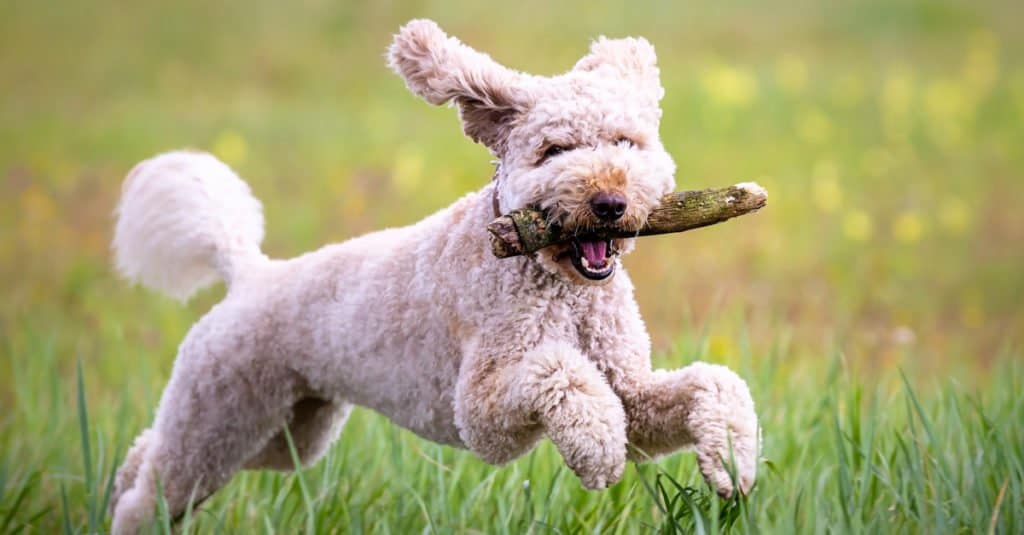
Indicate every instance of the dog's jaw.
{"type": "Point", "coordinates": [593, 258]}
{"type": "Point", "coordinates": [558, 261]}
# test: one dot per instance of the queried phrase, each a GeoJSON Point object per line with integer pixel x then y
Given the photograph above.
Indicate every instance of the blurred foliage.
{"type": "Point", "coordinates": [888, 133]}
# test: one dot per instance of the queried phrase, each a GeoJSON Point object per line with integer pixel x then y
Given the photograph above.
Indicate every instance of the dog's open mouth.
{"type": "Point", "coordinates": [592, 258]}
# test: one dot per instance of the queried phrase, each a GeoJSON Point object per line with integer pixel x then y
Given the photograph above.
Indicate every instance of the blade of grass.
{"type": "Point", "coordinates": [995, 510]}
{"type": "Point", "coordinates": [83, 423]}
{"type": "Point", "coordinates": [163, 511]}
{"type": "Point", "coordinates": [306, 500]}
{"type": "Point", "coordinates": [109, 488]}
{"type": "Point", "coordinates": [65, 512]}
{"type": "Point", "coordinates": [26, 488]}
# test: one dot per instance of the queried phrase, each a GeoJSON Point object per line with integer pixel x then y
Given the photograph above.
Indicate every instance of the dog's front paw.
{"type": "Point", "coordinates": [724, 467]}
{"type": "Point", "coordinates": [596, 453]}
{"type": "Point", "coordinates": [598, 466]}
{"type": "Point", "coordinates": [724, 425]}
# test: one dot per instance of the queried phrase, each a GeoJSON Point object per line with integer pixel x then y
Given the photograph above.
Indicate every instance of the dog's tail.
{"type": "Point", "coordinates": [186, 220]}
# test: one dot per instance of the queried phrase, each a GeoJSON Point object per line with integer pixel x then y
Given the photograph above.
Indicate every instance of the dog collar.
{"type": "Point", "coordinates": [494, 192]}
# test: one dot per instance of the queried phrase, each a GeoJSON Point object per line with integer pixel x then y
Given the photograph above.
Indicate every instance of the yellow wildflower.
{"type": "Point", "coordinates": [848, 91]}
{"type": "Point", "coordinates": [791, 74]}
{"type": "Point", "coordinates": [945, 99]}
{"type": "Point", "coordinates": [729, 86]}
{"type": "Point", "coordinates": [408, 170]}
{"type": "Point", "coordinates": [896, 102]}
{"type": "Point", "coordinates": [898, 93]}
{"type": "Point", "coordinates": [857, 225]}
{"type": "Point", "coordinates": [948, 109]}
{"type": "Point", "coordinates": [981, 67]}
{"type": "Point", "coordinates": [825, 187]}
{"type": "Point", "coordinates": [813, 126]}
{"type": "Point", "coordinates": [720, 346]}
{"type": "Point", "coordinates": [955, 215]}
{"type": "Point", "coordinates": [877, 161]}
{"type": "Point", "coordinates": [231, 147]}
{"type": "Point", "coordinates": [908, 227]}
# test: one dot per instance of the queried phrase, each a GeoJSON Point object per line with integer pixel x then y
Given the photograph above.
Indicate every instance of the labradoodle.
{"type": "Point", "coordinates": [422, 323]}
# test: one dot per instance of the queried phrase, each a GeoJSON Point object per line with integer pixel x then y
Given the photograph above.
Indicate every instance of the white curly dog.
{"type": "Point", "coordinates": [422, 323]}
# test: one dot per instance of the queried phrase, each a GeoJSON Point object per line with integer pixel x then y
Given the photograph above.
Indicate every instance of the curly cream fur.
{"type": "Point", "coordinates": [528, 349]}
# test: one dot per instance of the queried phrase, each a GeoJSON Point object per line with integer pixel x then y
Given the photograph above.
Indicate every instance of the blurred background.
{"type": "Point", "coordinates": [889, 135]}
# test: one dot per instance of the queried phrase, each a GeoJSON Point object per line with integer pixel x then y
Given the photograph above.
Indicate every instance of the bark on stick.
{"type": "Point", "coordinates": [526, 230]}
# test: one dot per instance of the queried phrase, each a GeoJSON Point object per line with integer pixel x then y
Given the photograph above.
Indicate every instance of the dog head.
{"type": "Point", "coordinates": [582, 146]}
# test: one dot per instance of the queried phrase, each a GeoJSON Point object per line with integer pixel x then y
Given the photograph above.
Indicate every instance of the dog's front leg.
{"type": "Point", "coordinates": [704, 406]}
{"type": "Point", "coordinates": [503, 404]}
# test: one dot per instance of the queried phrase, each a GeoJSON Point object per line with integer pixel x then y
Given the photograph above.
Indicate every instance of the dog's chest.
{"type": "Point", "coordinates": [566, 314]}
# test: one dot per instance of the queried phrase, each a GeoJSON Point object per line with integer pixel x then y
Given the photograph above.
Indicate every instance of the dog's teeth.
{"type": "Point", "coordinates": [583, 260]}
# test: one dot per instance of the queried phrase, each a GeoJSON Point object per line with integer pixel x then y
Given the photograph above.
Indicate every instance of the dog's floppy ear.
{"type": "Point", "coordinates": [632, 58]}
{"type": "Point", "coordinates": [441, 69]}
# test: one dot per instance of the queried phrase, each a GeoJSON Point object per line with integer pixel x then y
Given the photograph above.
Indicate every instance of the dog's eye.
{"type": "Point", "coordinates": [553, 150]}
{"type": "Point", "coordinates": [625, 141]}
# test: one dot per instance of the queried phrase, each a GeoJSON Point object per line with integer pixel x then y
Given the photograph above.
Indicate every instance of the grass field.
{"type": "Point", "coordinates": [875, 307]}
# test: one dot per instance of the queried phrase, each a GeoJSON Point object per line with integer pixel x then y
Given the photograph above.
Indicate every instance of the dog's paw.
{"type": "Point", "coordinates": [600, 465]}
{"type": "Point", "coordinates": [596, 453]}
{"type": "Point", "coordinates": [723, 423]}
{"type": "Point", "coordinates": [597, 458]}
{"type": "Point", "coordinates": [724, 468]}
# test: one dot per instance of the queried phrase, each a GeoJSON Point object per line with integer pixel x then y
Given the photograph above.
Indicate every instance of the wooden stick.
{"type": "Point", "coordinates": [526, 230]}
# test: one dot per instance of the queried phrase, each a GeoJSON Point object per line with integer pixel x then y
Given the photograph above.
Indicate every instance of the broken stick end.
{"type": "Point", "coordinates": [754, 189]}
{"type": "Point", "coordinates": [505, 241]}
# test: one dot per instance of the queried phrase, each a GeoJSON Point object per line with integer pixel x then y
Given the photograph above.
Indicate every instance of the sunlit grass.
{"type": "Point", "coordinates": [840, 454]}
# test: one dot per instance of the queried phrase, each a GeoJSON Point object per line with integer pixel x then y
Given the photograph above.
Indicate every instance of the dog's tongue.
{"type": "Point", "coordinates": [594, 251]}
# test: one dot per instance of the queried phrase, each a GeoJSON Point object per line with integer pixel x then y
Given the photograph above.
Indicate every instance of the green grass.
{"type": "Point", "coordinates": [876, 307]}
{"type": "Point", "coordinates": [841, 456]}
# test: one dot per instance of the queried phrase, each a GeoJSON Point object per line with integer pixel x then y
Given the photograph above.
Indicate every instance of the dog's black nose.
{"type": "Point", "coordinates": [608, 206]}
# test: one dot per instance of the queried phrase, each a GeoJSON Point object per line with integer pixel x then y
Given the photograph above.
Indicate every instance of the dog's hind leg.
{"type": "Point", "coordinates": [315, 425]}
{"type": "Point", "coordinates": [129, 469]}
{"type": "Point", "coordinates": [216, 412]}
{"type": "Point", "coordinates": [553, 388]}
